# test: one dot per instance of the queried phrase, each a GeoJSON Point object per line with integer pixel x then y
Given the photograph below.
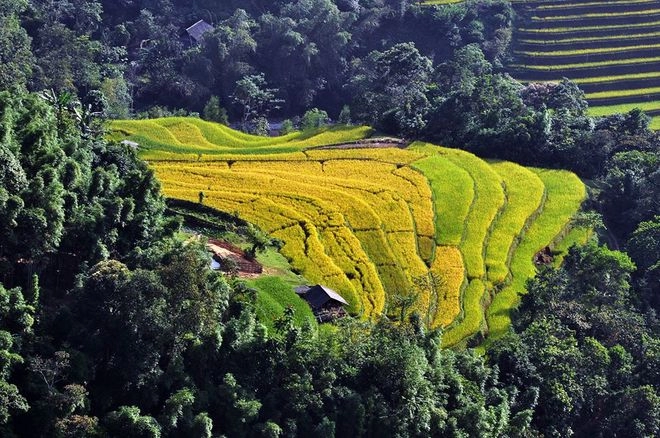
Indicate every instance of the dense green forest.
{"type": "Point", "coordinates": [111, 326]}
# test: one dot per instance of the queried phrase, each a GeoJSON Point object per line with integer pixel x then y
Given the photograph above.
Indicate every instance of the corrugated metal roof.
{"type": "Point", "coordinates": [197, 30]}
{"type": "Point", "coordinates": [302, 290]}
{"type": "Point", "coordinates": [318, 295]}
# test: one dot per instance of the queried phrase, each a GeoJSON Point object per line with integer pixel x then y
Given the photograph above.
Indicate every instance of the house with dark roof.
{"type": "Point", "coordinates": [197, 30]}
{"type": "Point", "coordinates": [326, 304]}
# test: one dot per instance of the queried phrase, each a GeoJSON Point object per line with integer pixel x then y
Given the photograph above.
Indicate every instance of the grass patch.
{"type": "Point", "coordinates": [274, 295]}
{"type": "Point", "coordinates": [276, 264]}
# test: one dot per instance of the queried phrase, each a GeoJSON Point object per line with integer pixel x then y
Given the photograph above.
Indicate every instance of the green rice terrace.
{"type": "Point", "coordinates": [611, 49]}
{"type": "Point", "coordinates": [375, 220]}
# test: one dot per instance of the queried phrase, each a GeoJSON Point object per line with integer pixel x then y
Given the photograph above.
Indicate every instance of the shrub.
{"type": "Point", "coordinates": [213, 112]}
{"type": "Point", "coordinates": [314, 118]}
{"type": "Point", "coordinates": [287, 127]}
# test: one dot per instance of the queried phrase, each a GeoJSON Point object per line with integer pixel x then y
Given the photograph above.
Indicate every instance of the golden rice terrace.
{"type": "Point", "coordinates": [454, 232]}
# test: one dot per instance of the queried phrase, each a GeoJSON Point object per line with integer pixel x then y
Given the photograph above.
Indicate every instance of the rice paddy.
{"type": "Point", "coordinates": [437, 224]}
{"type": "Point", "coordinates": [565, 192]}
{"type": "Point", "coordinates": [608, 48]}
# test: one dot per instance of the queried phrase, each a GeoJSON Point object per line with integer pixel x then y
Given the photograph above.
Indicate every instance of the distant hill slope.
{"type": "Point", "coordinates": [453, 233]}
{"type": "Point", "coordinates": [611, 49]}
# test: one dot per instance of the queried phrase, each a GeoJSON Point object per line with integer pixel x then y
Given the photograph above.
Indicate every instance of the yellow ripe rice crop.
{"type": "Point", "coordinates": [303, 248]}
{"type": "Point", "coordinates": [448, 265]}
{"type": "Point", "coordinates": [404, 247]}
{"type": "Point", "coordinates": [343, 247]}
{"type": "Point", "coordinates": [376, 246]}
{"type": "Point", "coordinates": [419, 191]}
{"type": "Point", "coordinates": [145, 129]}
{"type": "Point", "coordinates": [320, 205]}
{"type": "Point", "coordinates": [181, 134]}
{"type": "Point", "coordinates": [384, 155]}
{"type": "Point", "coordinates": [187, 133]}
{"type": "Point", "coordinates": [399, 283]}
{"type": "Point", "coordinates": [289, 167]}
{"type": "Point", "coordinates": [373, 223]}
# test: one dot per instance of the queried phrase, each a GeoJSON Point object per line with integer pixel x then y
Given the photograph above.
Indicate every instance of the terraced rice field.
{"type": "Point", "coordinates": [457, 232]}
{"type": "Point", "coordinates": [441, 2]}
{"type": "Point", "coordinates": [610, 48]}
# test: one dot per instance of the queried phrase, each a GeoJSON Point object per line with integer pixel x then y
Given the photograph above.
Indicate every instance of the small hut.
{"type": "Point", "coordinates": [197, 30]}
{"type": "Point", "coordinates": [326, 304]}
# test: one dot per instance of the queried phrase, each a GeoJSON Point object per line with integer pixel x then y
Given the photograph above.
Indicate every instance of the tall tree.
{"type": "Point", "coordinates": [16, 59]}
{"type": "Point", "coordinates": [390, 89]}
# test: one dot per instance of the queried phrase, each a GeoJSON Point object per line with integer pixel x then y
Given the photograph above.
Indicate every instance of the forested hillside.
{"type": "Point", "coordinates": [114, 324]}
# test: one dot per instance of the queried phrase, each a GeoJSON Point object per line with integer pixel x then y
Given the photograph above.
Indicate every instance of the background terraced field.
{"type": "Point", "coordinates": [611, 49]}
{"type": "Point", "coordinates": [454, 231]}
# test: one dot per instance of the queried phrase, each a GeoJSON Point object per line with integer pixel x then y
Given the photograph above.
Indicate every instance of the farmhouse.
{"type": "Point", "coordinates": [197, 30]}
{"type": "Point", "coordinates": [326, 304]}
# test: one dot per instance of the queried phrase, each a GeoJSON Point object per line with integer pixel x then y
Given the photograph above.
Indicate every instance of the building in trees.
{"type": "Point", "coordinates": [197, 30]}
{"type": "Point", "coordinates": [326, 304]}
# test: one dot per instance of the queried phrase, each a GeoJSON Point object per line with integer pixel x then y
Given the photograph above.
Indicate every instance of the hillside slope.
{"type": "Point", "coordinates": [439, 226]}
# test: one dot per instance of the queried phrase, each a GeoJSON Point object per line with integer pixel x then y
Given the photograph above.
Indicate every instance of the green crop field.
{"type": "Point", "coordinates": [441, 2]}
{"type": "Point", "coordinates": [598, 15]}
{"type": "Point", "coordinates": [590, 51]}
{"type": "Point", "coordinates": [473, 321]}
{"type": "Point", "coordinates": [585, 65]}
{"type": "Point", "coordinates": [487, 203]}
{"type": "Point", "coordinates": [603, 38]}
{"type": "Point", "coordinates": [525, 194]}
{"type": "Point", "coordinates": [619, 93]}
{"type": "Point", "coordinates": [608, 48]}
{"type": "Point", "coordinates": [652, 25]}
{"type": "Point", "coordinates": [372, 223]}
{"type": "Point", "coordinates": [571, 5]}
{"type": "Point", "coordinates": [565, 193]}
